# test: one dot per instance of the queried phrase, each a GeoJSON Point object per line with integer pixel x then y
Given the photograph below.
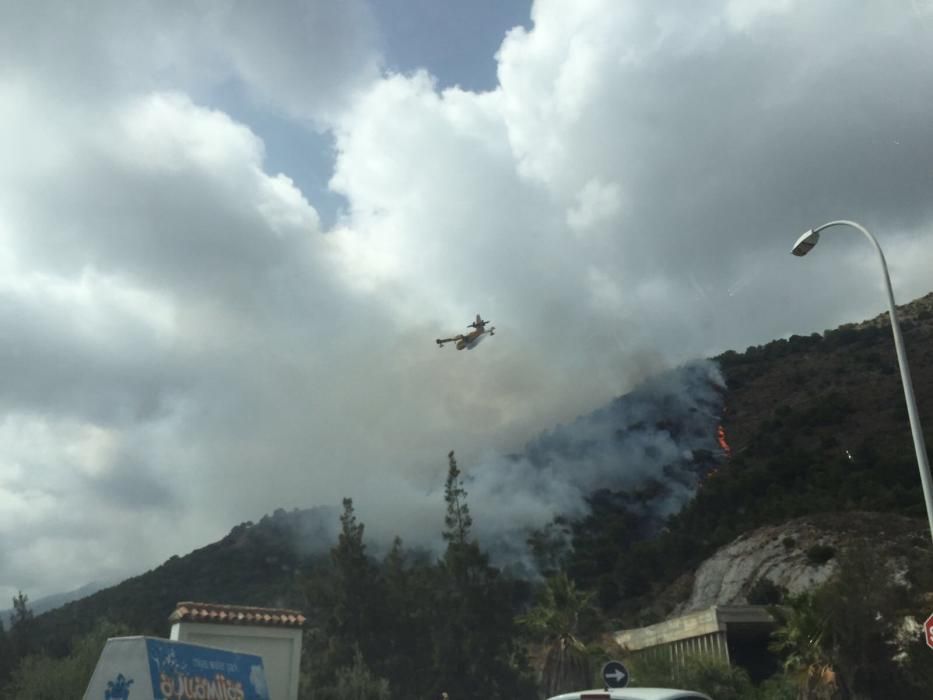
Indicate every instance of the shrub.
{"type": "Point", "coordinates": [41, 677]}
{"type": "Point", "coordinates": [779, 687]}
{"type": "Point", "coordinates": [356, 682]}
{"type": "Point", "coordinates": [819, 554]}
{"type": "Point", "coordinates": [766, 592]}
{"type": "Point", "coordinates": [701, 672]}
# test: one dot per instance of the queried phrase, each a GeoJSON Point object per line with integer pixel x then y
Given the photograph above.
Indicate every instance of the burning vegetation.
{"type": "Point", "coordinates": [721, 439]}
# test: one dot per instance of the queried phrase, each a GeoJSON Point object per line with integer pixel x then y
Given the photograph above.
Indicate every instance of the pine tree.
{"type": "Point", "coordinates": [350, 540]}
{"type": "Point", "coordinates": [409, 614]}
{"type": "Point", "coordinates": [457, 521]}
{"type": "Point", "coordinates": [22, 613]}
{"type": "Point", "coordinates": [353, 588]}
{"type": "Point", "coordinates": [474, 639]}
{"type": "Point", "coordinates": [344, 599]}
{"type": "Point", "coordinates": [6, 655]}
{"type": "Point", "coordinates": [21, 626]}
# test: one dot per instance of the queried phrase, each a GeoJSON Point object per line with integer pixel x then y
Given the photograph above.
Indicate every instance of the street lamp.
{"type": "Point", "coordinates": [803, 246]}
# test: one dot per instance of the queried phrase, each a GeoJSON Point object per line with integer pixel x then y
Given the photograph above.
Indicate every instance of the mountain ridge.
{"type": "Point", "coordinates": [805, 420]}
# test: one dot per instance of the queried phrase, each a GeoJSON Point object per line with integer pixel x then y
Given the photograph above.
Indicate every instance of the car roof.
{"type": "Point", "coordinates": [633, 694]}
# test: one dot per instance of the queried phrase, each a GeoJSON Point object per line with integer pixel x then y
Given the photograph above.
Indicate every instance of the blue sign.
{"type": "Point", "coordinates": [615, 675]}
{"type": "Point", "coordinates": [188, 672]}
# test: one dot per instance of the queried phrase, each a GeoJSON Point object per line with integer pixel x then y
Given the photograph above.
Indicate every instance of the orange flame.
{"type": "Point", "coordinates": [721, 439]}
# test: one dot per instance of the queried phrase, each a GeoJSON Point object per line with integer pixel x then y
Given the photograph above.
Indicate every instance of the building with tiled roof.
{"type": "Point", "coordinates": [272, 633]}
{"type": "Point", "coordinates": [236, 615]}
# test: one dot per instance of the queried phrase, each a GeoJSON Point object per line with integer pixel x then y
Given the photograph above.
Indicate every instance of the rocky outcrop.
{"type": "Point", "coordinates": [797, 556]}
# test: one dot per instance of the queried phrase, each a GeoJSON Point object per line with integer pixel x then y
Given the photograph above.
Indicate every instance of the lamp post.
{"type": "Point", "coordinates": [803, 246]}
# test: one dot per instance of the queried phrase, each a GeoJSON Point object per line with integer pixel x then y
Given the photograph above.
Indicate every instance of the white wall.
{"type": "Point", "coordinates": [279, 647]}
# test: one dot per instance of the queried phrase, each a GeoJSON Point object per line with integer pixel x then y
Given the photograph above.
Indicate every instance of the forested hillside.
{"type": "Point", "coordinates": [803, 425]}
{"type": "Point", "coordinates": [813, 424]}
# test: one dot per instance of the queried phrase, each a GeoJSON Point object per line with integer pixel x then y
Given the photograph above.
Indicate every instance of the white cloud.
{"type": "Point", "coordinates": [743, 14]}
{"type": "Point", "coordinates": [167, 132]}
{"type": "Point", "coordinates": [178, 324]}
{"type": "Point", "coordinates": [305, 59]}
{"type": "Point", "coordinates": [596, 203]}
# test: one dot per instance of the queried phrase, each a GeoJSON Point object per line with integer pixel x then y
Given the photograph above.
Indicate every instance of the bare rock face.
{"type": "Point", "coordinates": [797, 556]}
{"type": "Point", "coordinates": [777, 554]}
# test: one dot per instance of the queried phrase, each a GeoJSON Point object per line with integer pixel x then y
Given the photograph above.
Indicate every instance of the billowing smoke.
{"type": "Point", "coordinates": [654, 444]}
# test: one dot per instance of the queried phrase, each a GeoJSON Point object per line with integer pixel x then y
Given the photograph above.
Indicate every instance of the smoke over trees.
{"type": "Point", "coordinates": [416, 624]}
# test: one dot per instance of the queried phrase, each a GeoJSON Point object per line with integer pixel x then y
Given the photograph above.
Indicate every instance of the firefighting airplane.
{"type": "Point", "coordinates": [471, 339]}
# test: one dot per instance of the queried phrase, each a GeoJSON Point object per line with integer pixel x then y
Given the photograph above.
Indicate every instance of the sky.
{"type": "Point", "coordinates": [231, 232]}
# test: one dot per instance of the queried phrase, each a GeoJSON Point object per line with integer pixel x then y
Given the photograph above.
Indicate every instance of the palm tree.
{"type": "Point", "coordinates": [554, 621]}
{"type": "Point", "coordinates": [801, 638]}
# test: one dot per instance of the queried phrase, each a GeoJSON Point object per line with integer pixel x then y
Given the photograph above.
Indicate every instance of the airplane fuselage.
{"type": "Point", "coordinates": [471, 339]}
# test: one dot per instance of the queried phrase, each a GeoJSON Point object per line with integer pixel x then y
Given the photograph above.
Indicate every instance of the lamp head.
{"type": "Point", "coordinates": [805, 243]}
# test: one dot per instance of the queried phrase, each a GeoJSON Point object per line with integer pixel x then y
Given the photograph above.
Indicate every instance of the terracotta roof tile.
{"type": "Point", "coordinates": [236, 615]}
